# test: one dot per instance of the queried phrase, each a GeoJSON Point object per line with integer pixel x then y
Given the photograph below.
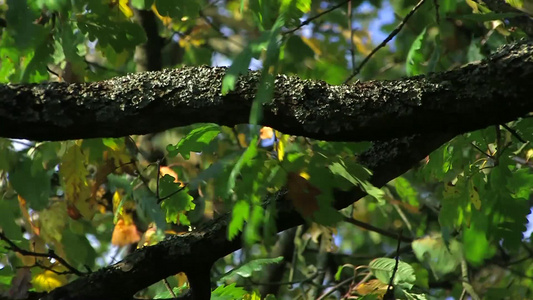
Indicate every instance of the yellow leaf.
{"type": "Point", "coordinates": [373, 286]}
{"type": "Point", "coordinates": [77, 191]}
{"type": "Point", "coordinates": [242, 139]}
{"type": "Point", "coordinates": [48, 281]}
{"type": "Point", "coordinates": [474, 196]}
{"type": "Point", "coordinates": [125, 234]}
{"type": "Point", "coordinates": [182, 278]}
{"type": "Point", "coordinates": [281, 143]}
{"type": "Point", "coordinates": [123, 6]}
{"type": "Point", "coordinates": [165, 19]}
{"type": "Point", "coordinates": [253, 296]}
{"type": "Point", "coordinates": [529, 154]}
{"type": "Point", "coordinates": [473, 5]}
{"type": "Point", "coordinates": [53, 222]}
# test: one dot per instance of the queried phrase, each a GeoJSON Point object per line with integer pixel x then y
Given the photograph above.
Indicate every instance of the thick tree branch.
{"type": "Point", "coordinates": [493, 91]}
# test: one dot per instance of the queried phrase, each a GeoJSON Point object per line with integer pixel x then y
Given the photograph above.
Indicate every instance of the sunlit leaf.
{"type": "Point", "coordinates": [77, 191]}
{"type": "Point", "coordinates": [383, 268]}
{"type": "Point", "coordinates": [48, 280]}
{"type": "Point", "coordinates": [415, 56]}
{"type": "Point", "coordinates": [125, 234]}
{"type": "Point", "coordinates": [195, 141]}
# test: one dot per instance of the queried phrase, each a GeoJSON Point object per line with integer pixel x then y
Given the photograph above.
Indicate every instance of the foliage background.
{"type": "Point", "coordinates": [462, 212]}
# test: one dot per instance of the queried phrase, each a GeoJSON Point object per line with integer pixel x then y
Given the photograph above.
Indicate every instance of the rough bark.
{"type": "Point", "coordinates": [433, 107]}
{"type": "Point", "coordinates": [493, 91]}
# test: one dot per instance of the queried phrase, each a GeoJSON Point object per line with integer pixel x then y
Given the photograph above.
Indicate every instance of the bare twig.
{"type": "Point", "coordinates": [159, 200]}
{"type": "Point", "coordinates": [305, 280]}
{"type": "Point", "coordinates": [350, 25]}
{"type": "Point", "coordinates": [436, 4]}
{"type": "Point", "coordinates": [386, 40]}
{"type": "Point", "coordinates": [169, 288]}
{"type": "Point", "coordinates": [390, 289]}
{"type": "Point", "coordinates": [157, 180]}
{"type": "Point", "coordinates": [51, 254]}
{"type": "Point", "coordinates": [334, 288]}
{"type": "Point", "coordinates": [377, 230]}
{"type": "Point", "coordinates": [481, 151]}
{"type": "Point", "coordinates": [306, 22]}
{"type": "Point", "coordinates": [514, 133]}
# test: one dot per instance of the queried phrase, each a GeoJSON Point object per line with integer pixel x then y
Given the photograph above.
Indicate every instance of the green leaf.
{"type": "Point", "coordinates": [248, 155]}
{"type": "Point", "coordinates": [228, 292]}
{"type": "Point", "coordinates": [238, 67]}
{"type": "Point", "coordinates": [247, 269]}
{"type": "Point", "coordinates": [31, 182]}
{"type": "Point", "coordinates": [147, 207]}
{"type": "Point", "coordinates": [20, 18]}
{"type": "Point", "coordinates": [178, 9]}
{"type": "Point", "coordinates": [194, 141]}
{"type": "Point", "coordinates": [79, 251]}
{"type": "Point", "coordinates": [9, 210]}
{"type": "Point", "coordinates": [142, 4]}
{"type": "Point", "coordinates": [241, 212]}
{"type": "Point", "coordinates": [383, 268]}
{"type": "Point", "coordinates": [441, 259]}
{"type": "Point", "coordinates": [406, 192]}
{"type": "Point", "coordinates": [415, 56]}
{"type": "Point", "coordinates": [121, 35]}
{"type": "Point", "coordinates": [327, 215]}
{"type": "Point", "coordinates": [474, 52]}
{"type": "Point", "coordinates": [476, 246]}
{"type": "Point", "coordinates": [176, 205]}
{"type": "Point", "coordinates": [36, 70]}
{"type": "Point", "coordinates": [266, 82]}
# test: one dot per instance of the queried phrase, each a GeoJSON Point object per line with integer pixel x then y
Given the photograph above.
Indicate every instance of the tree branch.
{"type": "Point", "coordinates": [194, 251]}
{"type": "Point", "coordinates": [494, 91]}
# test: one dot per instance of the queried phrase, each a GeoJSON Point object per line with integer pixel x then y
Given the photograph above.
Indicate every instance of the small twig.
{"type": "Point", "coordinates": [390, 289]}
{"type": "Point", "coordinates": [377, 230]}
{"type": "Point", "coordinates": [334, 288]}
{"type": "Point", "coordinates": [386, 40]}
{"type": "Point", "coordinates": [436, 4]}
{"type": "Point", "coordinates": [362, 281]}
{"type": "Point", "coordinates": [54, 73]}
{"type": "Point", "coordinates": [159, 200]}
{"type": "Point", "coordinates": [157, 180]}
{"type": "Point", "coordinates": [482, 152]}
{"type": "Point", "coordinates": [311, 19]}
{"type": "Point", "coordinates": [514, 133]}
{"type": "Point", "coordinates": [466, 282]}
{"type": "Point", "coordinates": [39, 265]}
{"type": "Point", "coordinates": [132, 161]}
{"type": "Point", "coordinates": [169, 288]}
{"type": "Point", "coordinates": [305, 280]}
{"type": "Point", "coordinates": [51, 254]}
{"type": "Point", "coordinates": [350, 25]}
{"type": "Point", "coordinates": [99, 66]}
